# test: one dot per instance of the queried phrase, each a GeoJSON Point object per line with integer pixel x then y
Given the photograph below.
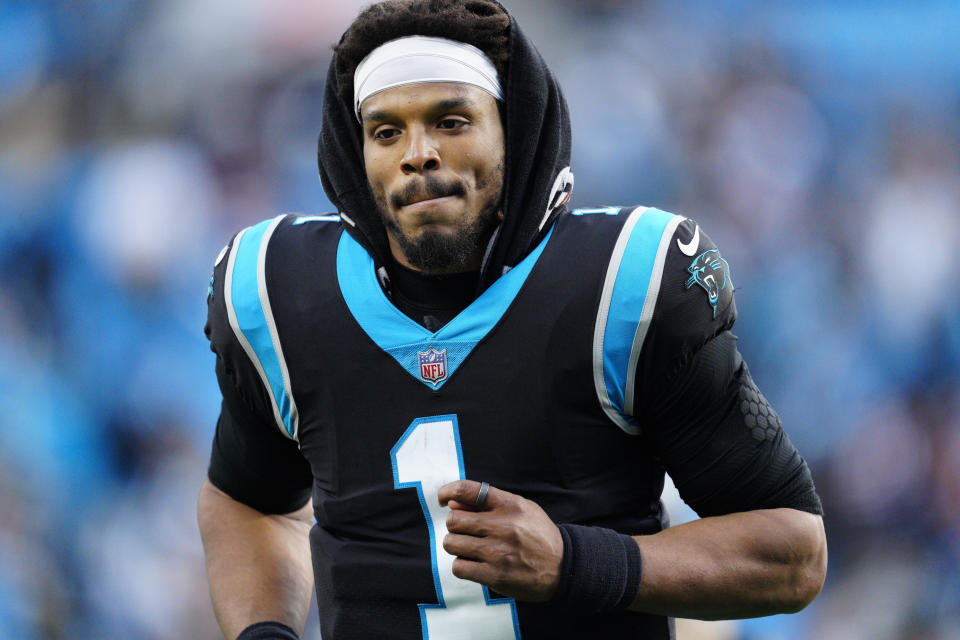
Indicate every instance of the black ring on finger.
{"type": "Point", "coordinates": [482, 495]}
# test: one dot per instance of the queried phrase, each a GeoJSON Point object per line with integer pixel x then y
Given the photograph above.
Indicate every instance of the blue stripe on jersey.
{"type": "Point", "coordinates": [252, 321]}
{"type": "Point", "coordinates": [403, 338]}
{"type": "Point", "coordinates": [632, 288]}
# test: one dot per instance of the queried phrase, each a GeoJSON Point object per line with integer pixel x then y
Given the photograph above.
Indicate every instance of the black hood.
{"type": "Point", "coordinates": [537, 137]}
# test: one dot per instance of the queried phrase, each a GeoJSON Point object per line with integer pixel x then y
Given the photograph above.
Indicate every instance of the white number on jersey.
{"type": "Point", "coordinates": [427, 457]}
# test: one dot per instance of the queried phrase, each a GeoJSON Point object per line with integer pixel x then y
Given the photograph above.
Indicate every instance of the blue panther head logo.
{"type": "Point", "coordinates": [710, 271]}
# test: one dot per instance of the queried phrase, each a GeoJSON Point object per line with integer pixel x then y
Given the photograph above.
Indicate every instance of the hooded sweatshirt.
{"type": "Point", "coordinates": [537, 180]}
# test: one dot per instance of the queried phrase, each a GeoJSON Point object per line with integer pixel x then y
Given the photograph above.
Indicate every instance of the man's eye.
{"type": "Point", "coordinates": [385, 134]}
{"type": "Point", "coordinates": [451, 123]}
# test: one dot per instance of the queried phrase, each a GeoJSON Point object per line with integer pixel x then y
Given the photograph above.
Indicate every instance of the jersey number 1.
{"type": "Point", "coordinates": [427, 457]}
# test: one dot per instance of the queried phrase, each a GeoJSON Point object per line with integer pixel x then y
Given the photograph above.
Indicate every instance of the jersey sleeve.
{"type": "Point", "coordinates": [715, 433]}
{"type": "Point", "coordinates": [251, 459]}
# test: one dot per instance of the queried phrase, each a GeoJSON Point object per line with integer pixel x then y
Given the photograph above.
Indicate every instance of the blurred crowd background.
{"type": "Point", "coordinates": [817, 142]}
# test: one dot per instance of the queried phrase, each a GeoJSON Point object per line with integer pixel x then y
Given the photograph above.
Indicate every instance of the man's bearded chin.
{"type": "Point", "coordinates": [446, 251]}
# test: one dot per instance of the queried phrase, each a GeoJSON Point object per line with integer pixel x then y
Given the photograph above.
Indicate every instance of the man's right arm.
{"type": "Point", "coordinates": [258, 565]}
{"type": "Point", "coordinates": [254, 509]}
{"type": "Point", "coordinates": [255, 515]}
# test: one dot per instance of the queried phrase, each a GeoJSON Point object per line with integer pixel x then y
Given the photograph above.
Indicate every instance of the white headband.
{"type": "Point", "coordinates": [416, 59]}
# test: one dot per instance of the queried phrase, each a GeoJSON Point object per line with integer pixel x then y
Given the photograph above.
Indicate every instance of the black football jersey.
{"type": "Point", "coordinates": [552, 384]}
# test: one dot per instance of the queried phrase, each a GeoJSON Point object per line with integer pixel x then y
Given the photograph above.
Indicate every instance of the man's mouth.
{"type": "Point", "coordinates": [426, 203]}
{"type": "Point", "coordinates": [424, 194]}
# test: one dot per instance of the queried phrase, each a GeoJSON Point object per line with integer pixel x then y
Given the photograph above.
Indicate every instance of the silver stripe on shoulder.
{"type": "Point", "coordinates": [274, 336]}
{"type": "Point", "coordinates": [649, 304]}
{"type": "Point", "coordinates": [600, 327]}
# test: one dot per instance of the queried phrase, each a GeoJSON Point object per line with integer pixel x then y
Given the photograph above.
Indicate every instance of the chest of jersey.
{"type": "Point", "coordinates": [388, 412]}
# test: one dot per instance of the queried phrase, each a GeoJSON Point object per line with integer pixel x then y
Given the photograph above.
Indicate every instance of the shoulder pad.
{"type": "Point", "coordinates": [627, 302]}
{"type": "Point", "coordinates": [247, 312]}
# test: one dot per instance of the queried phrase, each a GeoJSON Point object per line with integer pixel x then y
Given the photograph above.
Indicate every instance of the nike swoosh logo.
{"type": "Point", "coordinates": [691, 247]}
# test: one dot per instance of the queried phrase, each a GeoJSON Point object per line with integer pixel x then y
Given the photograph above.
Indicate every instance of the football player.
{"type": "Point", "coordinates": [466, 395]}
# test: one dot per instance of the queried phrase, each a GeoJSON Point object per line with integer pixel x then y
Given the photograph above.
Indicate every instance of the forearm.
{"type": "Point", "coordinates": [258, 565]}
{"type": "Point", "coordinates": [740, 565]}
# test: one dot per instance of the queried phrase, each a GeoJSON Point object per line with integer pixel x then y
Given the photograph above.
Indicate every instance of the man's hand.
{"type": "Point", "coordinates": [510, 545]}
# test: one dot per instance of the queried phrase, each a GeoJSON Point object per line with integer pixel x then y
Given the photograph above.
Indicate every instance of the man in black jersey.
{"type": "Point", "coordinates": [466, 396]}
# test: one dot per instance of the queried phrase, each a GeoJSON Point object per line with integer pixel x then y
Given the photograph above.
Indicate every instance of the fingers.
{"type": "Point", "coordinates": [472, 570]}
{"type": "Point", "coordinates": [468, 523]}
{"type": "Point", "coordinates": [465, 546]}
{"type": "Point", "coordinates": [483, 572]}
{"type": "Point", "coordinates": [462, 494]}
{"type": "Point", "coordinates": [511, 545]}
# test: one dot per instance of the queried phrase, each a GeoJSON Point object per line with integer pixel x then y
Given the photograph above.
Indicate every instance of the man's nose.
{"type": "Point", "coordinates": [421, 153]}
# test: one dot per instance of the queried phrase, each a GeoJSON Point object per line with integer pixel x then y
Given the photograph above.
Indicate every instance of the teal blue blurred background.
{"type": "Point", "coordinates": [817, 142]}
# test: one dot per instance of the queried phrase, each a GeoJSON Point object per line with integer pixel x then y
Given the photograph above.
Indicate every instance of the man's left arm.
{"type": "Point", "coordinates": [759, 547]}
{"type": "Point", "coordinates": [739, 565]}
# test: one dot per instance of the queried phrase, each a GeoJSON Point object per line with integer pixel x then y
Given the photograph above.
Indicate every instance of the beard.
{"type": "Point", "coordinates": [443, 251]}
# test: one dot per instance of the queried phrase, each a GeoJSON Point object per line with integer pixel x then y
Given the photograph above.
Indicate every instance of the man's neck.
{"type": "Point", "coordinates": [431, 300]}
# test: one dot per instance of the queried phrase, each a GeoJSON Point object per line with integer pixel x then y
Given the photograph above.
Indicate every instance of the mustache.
{"type": "Point", "coordinates": [426, 189]}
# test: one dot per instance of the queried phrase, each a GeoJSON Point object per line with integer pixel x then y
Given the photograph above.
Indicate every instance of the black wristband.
{"type": "Point", "coordinates": [600, 571]}
{"type": "Point", "coordinates": [268, 631]}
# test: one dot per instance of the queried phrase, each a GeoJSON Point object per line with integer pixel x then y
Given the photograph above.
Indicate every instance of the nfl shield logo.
{"type": "Point", "coordinates": [433, 365]}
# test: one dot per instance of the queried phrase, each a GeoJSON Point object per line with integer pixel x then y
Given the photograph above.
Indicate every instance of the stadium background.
{"type": "Point", "coordinates": [817, 142]}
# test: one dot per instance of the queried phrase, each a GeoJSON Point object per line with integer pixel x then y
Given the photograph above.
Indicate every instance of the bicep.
{"type": "Point", "coordinates": [721, 441]}
{"type": "Point", "coordinates": [715, 433]}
